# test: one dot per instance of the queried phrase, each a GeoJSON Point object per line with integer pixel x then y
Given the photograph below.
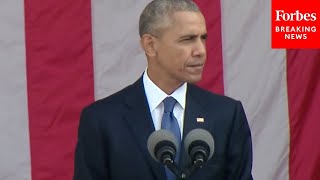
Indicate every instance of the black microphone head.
{"type": "Point", "coordinates": [162, 141]}
{"type": "Point", "coordinates": [199, 137]}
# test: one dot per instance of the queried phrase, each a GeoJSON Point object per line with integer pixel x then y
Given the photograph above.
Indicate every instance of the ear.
{"type": "Point", "coordinates": [148, 43]}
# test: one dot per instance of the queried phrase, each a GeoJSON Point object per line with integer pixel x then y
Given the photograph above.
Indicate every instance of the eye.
{"type": "Point", "coordinates": [188, 38]}
{"type": "Point", "coordinates": [204, 37]}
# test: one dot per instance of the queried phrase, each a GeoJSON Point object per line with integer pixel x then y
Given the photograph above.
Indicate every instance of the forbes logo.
{"type": "Point", "coordinates": [281, 15]}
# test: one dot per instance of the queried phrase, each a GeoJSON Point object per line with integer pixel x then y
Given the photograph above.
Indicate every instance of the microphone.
{"type": "Point", "coordinates": [199, 145]}
{"type": "Point", "coordinates": [162, 146]}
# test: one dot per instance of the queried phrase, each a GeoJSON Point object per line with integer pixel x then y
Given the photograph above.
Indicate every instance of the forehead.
{"type": "Point", "coordinates": [187, 22]}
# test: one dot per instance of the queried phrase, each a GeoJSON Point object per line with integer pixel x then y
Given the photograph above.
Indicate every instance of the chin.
{"type": "Point", "coordinates": [193, 79]}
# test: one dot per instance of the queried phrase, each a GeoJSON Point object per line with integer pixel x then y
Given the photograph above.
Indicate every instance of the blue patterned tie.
{"type": "Point", "coordinates": [169, 122]}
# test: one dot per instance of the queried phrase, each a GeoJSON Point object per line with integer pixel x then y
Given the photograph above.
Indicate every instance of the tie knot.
{"type": "Point", "coordinates": [169, 103]}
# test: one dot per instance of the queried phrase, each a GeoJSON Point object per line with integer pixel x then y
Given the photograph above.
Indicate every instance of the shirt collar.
{"type": "Point", "coordinates": [155, 95]}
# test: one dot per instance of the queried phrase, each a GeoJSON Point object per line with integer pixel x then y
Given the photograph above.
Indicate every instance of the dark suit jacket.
{"type": "Point", "coordinates": [113, 133]}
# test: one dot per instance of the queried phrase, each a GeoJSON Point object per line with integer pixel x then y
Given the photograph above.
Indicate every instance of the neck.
{"type": "Point", "coordinates": [165, 84]}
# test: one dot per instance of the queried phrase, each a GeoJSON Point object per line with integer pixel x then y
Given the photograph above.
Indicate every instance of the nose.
{"type": "Point", "coordinates": [200, 48]}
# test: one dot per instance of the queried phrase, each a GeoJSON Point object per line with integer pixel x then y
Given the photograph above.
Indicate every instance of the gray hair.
{"type": "Point", "coordinates": [155, 14]}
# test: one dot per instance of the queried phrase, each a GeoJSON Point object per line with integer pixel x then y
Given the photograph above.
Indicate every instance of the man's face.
{"type": "Point", "coordinates": [180, 49]}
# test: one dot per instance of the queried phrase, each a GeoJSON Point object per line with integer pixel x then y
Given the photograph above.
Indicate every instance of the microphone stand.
{"type": "Point", "coordinates": [182, 175]}
{"type": "Point", "coordinates": [167, 161]}
{"type": "Point", "coordinates": [196, 165]}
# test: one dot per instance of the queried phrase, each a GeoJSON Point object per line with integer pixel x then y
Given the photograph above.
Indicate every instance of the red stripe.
{"type": "Point", "coordinates": [212, 78]}
{"type": "Point", "coordinates": [304, 112]}
{"type": "Point", "coordinates": [60, 81]}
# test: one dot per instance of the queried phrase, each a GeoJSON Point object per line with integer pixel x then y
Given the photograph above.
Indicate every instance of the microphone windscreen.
{"type": "Point", "coordinates": [199, 135]}
{"type": "Point", "coordinates": [160, 136]}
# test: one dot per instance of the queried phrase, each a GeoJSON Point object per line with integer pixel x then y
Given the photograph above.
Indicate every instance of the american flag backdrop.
{"type": "Point", "coordinates": [56, 56]}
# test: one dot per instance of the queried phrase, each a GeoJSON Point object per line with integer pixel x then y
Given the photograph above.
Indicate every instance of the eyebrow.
{"type": "Point", "coordinates": [203, 36]}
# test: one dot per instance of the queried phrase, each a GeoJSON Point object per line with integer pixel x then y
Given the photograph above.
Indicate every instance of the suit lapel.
{"type": "Point", "coordinates": [196, 116]}
{"type": "Point", "coordinates": [140, 122]}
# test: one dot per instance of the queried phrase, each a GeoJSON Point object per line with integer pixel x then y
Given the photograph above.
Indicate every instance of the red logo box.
{"type": "Point", "coordinates": [295, 24]}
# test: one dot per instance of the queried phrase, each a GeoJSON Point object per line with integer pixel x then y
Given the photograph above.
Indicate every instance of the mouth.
{"type": "Point", "coordinates": [196, 67]}
{"type": "Point", "coordinates": [199, 65]}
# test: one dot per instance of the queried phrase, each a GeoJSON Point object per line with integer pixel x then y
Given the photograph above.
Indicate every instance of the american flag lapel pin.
{"type": "Point", "coordinates": [200, 120]}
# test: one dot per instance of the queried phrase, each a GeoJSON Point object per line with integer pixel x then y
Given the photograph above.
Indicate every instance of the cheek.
{"type": "Point", "coordinates": [181, 59]}
{"type": "Point", "coordinates": [176, 58]}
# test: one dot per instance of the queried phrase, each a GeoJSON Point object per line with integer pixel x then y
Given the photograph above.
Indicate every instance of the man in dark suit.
{"type": "Point", "coordinates": [113, 132]}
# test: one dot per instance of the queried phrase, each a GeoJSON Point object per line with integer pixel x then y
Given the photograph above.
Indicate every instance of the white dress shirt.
{"type": "Point", "coordinates": [155, 96]}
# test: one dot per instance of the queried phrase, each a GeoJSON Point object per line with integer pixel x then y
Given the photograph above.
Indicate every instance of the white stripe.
{"type": "Point", "coordinates": [118, 58]}
{"type": "Point", "coordinates": [256, 74]}
{"type": "Point", "coordinates": [14, 132]}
